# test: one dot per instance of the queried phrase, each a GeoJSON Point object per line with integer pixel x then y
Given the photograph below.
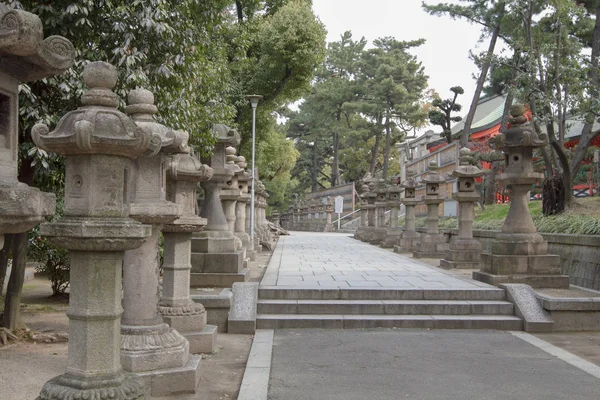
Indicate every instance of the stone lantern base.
{"type": "Point", "coordinates": [359, 233]}
{"type": "Point", "coordinates": [215, 261]}
{"type": "Point", "coordinates": [462, 254]}
{"type": "Point", "coordinates": [407, 242]}
{"type": "Point", "coordinates": [367, 233]}
{"type": "Point", "coordinates": [431, 246]}
{"type": "Point", "coordinates": [378, 234]}
{"type": "Point", "coordinates": [391, 238]}
{"type": "Point", "coordinates": [521, 258]}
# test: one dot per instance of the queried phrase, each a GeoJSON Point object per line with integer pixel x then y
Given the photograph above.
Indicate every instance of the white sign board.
{"type": "Point", "coordinates": [339, 204]}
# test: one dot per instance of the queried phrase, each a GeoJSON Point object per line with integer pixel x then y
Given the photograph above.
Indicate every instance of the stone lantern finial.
{"type": "Point", "coordinates": [97, 127]}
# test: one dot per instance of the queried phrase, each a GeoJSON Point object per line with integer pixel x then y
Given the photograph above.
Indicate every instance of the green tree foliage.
{"type": "Point", "coordinates": [490, 16]}
{"type": "Point", "coordinates": [172, 48]}
{"type": "Point", "coordinates": [441, 114]}
{"type": "Point", "coordinates": [276, 158]}
{"type": "Point", "coordinates": [393, 81]}
{"type": "Point", "coordinates": [274, 54]}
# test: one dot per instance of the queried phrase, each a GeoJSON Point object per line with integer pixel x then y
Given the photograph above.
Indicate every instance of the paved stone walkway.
{"type": "Point", "coordinates": [333, 260]}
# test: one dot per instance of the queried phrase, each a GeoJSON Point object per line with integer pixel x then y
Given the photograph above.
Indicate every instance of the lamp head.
{"type": "Point", "coordinates": [254, 99]}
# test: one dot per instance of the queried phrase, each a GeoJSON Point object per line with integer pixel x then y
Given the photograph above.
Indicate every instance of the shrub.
{"type": "Point", "coordinates": [53, 261]}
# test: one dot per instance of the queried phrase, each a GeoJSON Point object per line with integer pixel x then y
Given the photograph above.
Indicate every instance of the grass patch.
{"type": "Point", "coordinates": [582, 218]}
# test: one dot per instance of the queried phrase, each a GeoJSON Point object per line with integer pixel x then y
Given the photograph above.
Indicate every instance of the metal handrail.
{"type": "Point", "coordinates": [345, 216]}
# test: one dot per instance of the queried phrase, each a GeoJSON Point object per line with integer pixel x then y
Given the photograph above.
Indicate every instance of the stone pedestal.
{"type": "Point", "coordinates": [519, 254]}
{"type": "Point", "coordinates": [216, 262]}
{"type": "Point", "coordinates": [97, 141]}
{"type": "Point", "coordinates": [432, 244]}
{"type": "Point", "coordinates": [394, 232]}
{"type": "Point", "coordinates": [464, 251]}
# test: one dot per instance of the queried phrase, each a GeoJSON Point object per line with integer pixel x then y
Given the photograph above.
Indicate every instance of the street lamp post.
{"type": "Point", "coordinates": [254, 99]}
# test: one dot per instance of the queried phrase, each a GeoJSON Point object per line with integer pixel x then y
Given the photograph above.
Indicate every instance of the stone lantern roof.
{"type": "Point", "coordinates": [520, 134]}
{"type": "Point", "coordinates": [188, 168]}
{"type": "Point", "coordinates": [466, 169]}
{"type": "Point", "coordinates": [433, 177]}
{"type": "Point", "coordinates": [410, 182]}
{"type": "Point", "coordinates": [141, 108]}
{"type": "Point", "coordinates": [97, 127]}
{"type": "Point", "coordinates": [26, 55]}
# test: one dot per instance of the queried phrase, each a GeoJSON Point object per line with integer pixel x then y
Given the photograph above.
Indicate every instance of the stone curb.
{"type": "Point", "coordinates": [255, 384]}
{"type": "Point", "coordinates": [527, 307]}
{"type": "Point", "coordinates": [242, 316]}
{"type": "Point", "coordinates": [272, 272]}
{"type": "Point", "coordinates": [564, 355]}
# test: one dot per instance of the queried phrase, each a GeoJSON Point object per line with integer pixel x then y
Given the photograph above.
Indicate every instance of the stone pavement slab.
{"type": "Point", "coordinates": [420, 364]}
{"type": "Point", "coordinates": [333, 260]}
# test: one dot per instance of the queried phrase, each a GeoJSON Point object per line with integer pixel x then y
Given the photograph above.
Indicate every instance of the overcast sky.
{"type": "Point", "coordinates": [445, 54]}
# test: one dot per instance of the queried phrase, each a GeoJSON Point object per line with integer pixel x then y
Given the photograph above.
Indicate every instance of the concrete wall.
{"type": "Point", "coordinates": [579, 254]}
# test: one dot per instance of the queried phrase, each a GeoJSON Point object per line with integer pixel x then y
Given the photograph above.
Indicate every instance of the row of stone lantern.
{"type": "Point", "coordinates": [313, 215]}
{"type": "Point", "coordinates": [431, 244]}
{"type": "Point", "coordinates": [128, 179]}
{"type": "Point", "coordinates": [221, 251]}
{"type": "Point", "coordinates": [518, 254]}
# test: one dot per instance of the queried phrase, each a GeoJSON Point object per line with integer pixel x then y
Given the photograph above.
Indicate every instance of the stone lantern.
{"type": "Point", "coordinates": [231, 192]}
{"type": "Point", "coordinates": [464, 252]}
{"type": "Point", "coordinates": [410, 237]}
{"type": "Point", "coordinates": [26, 56]}
{"type": "Point", "coordinates": [241, 207]}
{"type": "Point", "coordinates": [394, 232]}
{"type": "Point", "coordinates": [378, 233]}
{"type": "Point", "coordinates": [98, 142]}
{"type": "Point", "coordinates": [167, 357]}
{"type": "Point", "coordinates": [312, 209]}
{"type": "Point", "coordinates": [519, 254]}
{"type": "Point", "coordinates": [320, 219]}
{"type": "Point", "coordinates": [371, 196]}
{"type": "Point", "coordinates": [184, 172]}
{"type": "Point", "coordinates": [432, 244]}
{"type": "Point", "coordinates": [216, 261]}
{"type": "Point", "coordinates": [329, 211]}
{"type": "Point", "coordinates": [262, 224]}
{"type": "Point", "coordinates": [364, 222]}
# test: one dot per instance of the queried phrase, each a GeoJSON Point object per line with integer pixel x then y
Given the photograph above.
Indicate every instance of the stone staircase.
{"type": "Point", "coordinates": [281, 308]}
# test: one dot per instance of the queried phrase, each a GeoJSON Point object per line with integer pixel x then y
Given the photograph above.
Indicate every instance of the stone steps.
{"type": "Point", "coordinates": [480, 308]}
{"type": "Point", "coordinates": [388, 307]}
{"type": "Point", "coordinates": [292, 293]}
{"type": "Point", "coordinates": [339, 321]}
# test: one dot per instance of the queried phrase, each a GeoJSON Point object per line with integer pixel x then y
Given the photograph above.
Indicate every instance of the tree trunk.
{"type": "Point", "coordinates": [586, 134]}
{"type": "Point", "coordinates": [4, 257]}
{"type": "Point", "coordinates": [335, 168]}
{"type": "Point", "coordinates": [386, 151]}
{"type": "Point", "coordinates": [12, 302]}
{"type": "Point", "coordinates": [480, 83]}
{"type": "Point", "coordinates": [374, 153]}
{"type": "Point", "coordinates": [314, 169]}
{"type": "Point", "coordinates": [240, 11]}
